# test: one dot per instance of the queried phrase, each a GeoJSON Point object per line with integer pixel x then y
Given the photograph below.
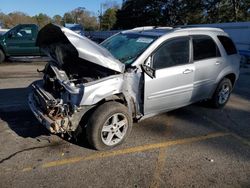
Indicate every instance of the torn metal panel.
{"type": "Point", "coordinates": [100, 89]}
{"type": "Point", "coordinates": [133, 91]}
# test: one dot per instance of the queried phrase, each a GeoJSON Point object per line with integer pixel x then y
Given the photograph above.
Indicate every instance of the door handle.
{"type": "Point", "coordinates": [187, 71]}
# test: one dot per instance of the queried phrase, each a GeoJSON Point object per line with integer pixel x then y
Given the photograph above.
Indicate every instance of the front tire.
{"type": "Point", "coordinates": [109, 126]}
{"type": "Point", "coordinates": [222, 93]}
{"type": "Point", "coordinates": [2, 56]}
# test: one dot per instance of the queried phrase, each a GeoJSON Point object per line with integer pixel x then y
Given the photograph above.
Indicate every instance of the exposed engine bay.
{"type": "Point", "coordinates": [78, 70]}
{"type": "Point", "coordinates": [53, 94]}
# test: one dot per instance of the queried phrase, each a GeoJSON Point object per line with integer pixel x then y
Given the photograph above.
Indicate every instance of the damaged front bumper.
{"type": "Point", "coordinates": [52, 113]}
{"type": "Point", "coordinates": [41, 117]}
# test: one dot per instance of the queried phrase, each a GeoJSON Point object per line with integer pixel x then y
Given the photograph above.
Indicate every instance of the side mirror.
{"type": "Point", "coordinates": [148, 62]}
{"type": "Point", "coordinates": [147, 67]}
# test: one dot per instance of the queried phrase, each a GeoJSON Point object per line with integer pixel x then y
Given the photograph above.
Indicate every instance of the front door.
{"type": "Point", "coordinates": [172, 85]}
{"type": "Point", "coordinates": [21, 41]}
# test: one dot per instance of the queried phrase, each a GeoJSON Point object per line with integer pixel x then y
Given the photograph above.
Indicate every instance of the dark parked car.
{"type": "Point", "coordinates": [19, 41]}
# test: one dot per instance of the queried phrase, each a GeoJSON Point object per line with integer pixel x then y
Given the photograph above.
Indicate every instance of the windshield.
{"type": "Point", "coordinates": [127, 47]}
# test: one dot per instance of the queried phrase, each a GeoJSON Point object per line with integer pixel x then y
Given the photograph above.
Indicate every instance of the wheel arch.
{"type": "Point", "coordinates": [3, 54]}
{"type": "Point", "coordinates": [231, 77]}
{"type": "Point", "coordinates": [123, 99]}
{"type": "Point", "coordinates": [120, 98]}
{"type": "Point", "coordinates": [3, 50]}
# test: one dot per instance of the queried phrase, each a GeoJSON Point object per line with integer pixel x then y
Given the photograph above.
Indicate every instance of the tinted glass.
{"type": "Point", "coordinates": [24, 32]}
{"type": "Point", "coordinates": [127, 47]}
{"type": "Point", "coordinates": [204, 48]}
{"type": "Point", "coordinates": [172, 53]}
{"type": "Point", "coordinates": [228, 45]}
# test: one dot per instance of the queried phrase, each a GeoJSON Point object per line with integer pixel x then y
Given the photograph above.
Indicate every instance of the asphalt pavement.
{"type": "Point", "coordinates": [195, 146]}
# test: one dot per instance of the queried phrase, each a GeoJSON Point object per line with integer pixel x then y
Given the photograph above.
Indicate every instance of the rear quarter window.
{"type": "Point", "coordinates": [204, 47]}
{"type": "Point", "coordinates": [228, 45]}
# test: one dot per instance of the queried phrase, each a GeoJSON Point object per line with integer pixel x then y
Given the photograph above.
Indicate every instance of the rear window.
{"type": "Point", "coordinates": [228, 45]}
{"type": "Point", "coordinates": [204, 47]}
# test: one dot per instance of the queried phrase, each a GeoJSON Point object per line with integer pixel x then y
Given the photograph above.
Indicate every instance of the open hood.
{"type": "Point", "coordinates": [52, 35]}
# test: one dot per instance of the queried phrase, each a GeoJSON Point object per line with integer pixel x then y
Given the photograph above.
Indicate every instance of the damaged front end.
{"type": "Point", "coordinates": [51, 112]}
{"type": "Point", "coordinates": [61, 99]}
{"type": "Point", "coordinates": [59, 103]}
{"type": "Point", "coordinates": [80, 76]}
{"type": "Point", "coordinates": [56, 103]}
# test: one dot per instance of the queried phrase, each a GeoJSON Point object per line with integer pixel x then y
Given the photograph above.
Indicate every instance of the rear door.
{"type": "Point", "coordinates": [208, 64]}
{"type": "Point", "coordinates": [172, 85]}
{"type": "Point", "coordinates": [21, 41]}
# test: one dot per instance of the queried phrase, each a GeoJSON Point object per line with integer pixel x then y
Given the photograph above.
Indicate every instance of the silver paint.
{"type": "Point", "coordinates": [170, 88]}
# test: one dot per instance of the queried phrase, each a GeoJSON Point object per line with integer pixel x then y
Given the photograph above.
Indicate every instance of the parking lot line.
{"type": "Point", "coordinates": [158, 169]}
{"type": "Point", "coordinates": [99, 155]}
{"type": "Point", "coordinates": [27, 169]}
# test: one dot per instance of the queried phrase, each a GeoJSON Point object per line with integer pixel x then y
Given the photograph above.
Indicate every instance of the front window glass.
{"type": "Point", "coordinates": [127, 47]}
{"type": "Point", "coordinates": [24, 32]}
{"type": "Point", "coordinates": [173, 53]}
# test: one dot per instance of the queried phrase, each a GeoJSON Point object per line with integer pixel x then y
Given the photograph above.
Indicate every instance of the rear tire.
{"type": "Point", "coordinates": [2, 56]}
{"type": "Point", "coordinates": [221, 94]}
{"type": "Point", "coordinates": [109, 126]}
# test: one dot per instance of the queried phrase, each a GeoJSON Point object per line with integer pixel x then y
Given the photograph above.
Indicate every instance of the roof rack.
{"type": "Point", "coordinates": [163, 28]}
{"type": "Point", "coordinates": [143, 28]}
{"type": "Point", "coordinates": [198, 28]}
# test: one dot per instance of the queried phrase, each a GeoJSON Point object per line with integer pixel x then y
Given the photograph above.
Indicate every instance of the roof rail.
{"type": "Point", "coordinates": [143, 28]}
{"type": "Point", "coordinates": [163, 27]}
{"type": "Point", "coordinates": [187, 28]}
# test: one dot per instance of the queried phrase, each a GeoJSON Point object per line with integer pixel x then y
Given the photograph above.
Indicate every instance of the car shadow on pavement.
{"type": "Point", "coordinates": [15, 112]}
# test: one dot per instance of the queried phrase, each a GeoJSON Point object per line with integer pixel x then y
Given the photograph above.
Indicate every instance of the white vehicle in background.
{"type": "Point", "coordinates": [134, 74]}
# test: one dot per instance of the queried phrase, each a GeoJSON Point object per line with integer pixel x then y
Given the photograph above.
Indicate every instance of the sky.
{"type": "Point", "coordinates": [49, 7]}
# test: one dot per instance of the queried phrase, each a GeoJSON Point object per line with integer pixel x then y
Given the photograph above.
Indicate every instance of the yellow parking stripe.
{"type": "Point", "coordinates": [159, 168]}
{"type": "Point", "coordinates": [143, 148]}
{"type": "Point", "coordinates": [27, 169]}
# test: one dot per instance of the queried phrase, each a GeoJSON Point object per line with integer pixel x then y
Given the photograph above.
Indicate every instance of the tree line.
{"type": "Point", "coordinates": [78, 15]}
{"type": "Point", "coordinates": [134, 13]}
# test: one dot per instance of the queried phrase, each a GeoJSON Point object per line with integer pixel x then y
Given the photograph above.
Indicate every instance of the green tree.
{"type": "Point", "coordinates": [108, 19]}
{"type": "Point", "coordinates": [139, 13]}
{"type": "Point", "coordinates": [68, 18]}
{"type": "Point", "coordinates": [57, 19]}
{"type": "Point", "coordinates": [83, 17]}
{"type": "Point", "coordinates": [42, 19]}
{"type": "Point", "coordinates": [134, 13]}
{"type": "Point", "coordinates": [226, 10]}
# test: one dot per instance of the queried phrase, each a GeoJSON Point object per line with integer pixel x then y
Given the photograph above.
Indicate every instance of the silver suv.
{"type": "Point", "coordinates": [133, 75]}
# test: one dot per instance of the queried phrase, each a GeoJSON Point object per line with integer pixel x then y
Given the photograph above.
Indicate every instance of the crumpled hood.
{"type": "Point", "coordinates": [88, 50]}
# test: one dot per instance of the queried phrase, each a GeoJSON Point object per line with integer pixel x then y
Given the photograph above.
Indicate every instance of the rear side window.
{"type": "Point", "coordinates": [204, 47]}
{"type": "Point", "coordinates": [228, 45]}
